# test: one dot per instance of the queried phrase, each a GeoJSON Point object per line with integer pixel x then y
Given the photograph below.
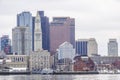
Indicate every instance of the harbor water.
{"type": "Point", "coordinates": [62, 77]}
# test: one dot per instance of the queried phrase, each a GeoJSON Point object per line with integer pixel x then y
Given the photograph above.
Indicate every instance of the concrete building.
{"type": "Point", "coordinates": [18, 62]}
{"type": "Point", "coordinates": [37, 33]}
{"type": "Point", "coordinates": [5, 44]}
{"type": "Point", "coordinates": [112, 47]}
{"type": "Point", "coordinates": [39, 60]}
{"type": "Point", "coordinates": [45, 30]}
{"type": "Point", "coordinates": [61, 29]}
{"type": "Point", "coordinates": [21, 41]}
{"type": "Point", "coordinates": [24, 19]}
{"type": "Point", "coordinates": [66, 50]}
{"type": "Point", "coordinates": [92, 47]}
{"type": "Point", "coordinates": [86, 47]}
{"type": "Point", "coordinates": [82, 47]}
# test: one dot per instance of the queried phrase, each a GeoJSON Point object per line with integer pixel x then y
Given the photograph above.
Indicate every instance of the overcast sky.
{"type": "Point", "coordinates": [99, 19]}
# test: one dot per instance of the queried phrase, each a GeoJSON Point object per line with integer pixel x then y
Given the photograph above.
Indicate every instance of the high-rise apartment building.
{"type": "Point", "coordinates": [45, 30]}
{"type": "Point", "coordinates": [21, 40]}
{"type": "Point", "coordinates": [5, 44]}
{"type": "Point", "coordinates": [92, 47]}
{"type": "Point", "coordinates": [112, 47]}
{"type": "Point", "coordinates": [61, 29]}
{"type": "Point", "coordinates": [82, 47]}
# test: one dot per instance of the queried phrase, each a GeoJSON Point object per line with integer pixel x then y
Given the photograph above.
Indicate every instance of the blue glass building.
{"type": "Point", "coordinates": [5, 44]}
{"type": "Point", "coordinates": [82, 47]}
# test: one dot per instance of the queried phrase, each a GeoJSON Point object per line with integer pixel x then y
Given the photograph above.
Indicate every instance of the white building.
{"type": "Point", "coordinates": [39, 59]}
{"type": "Point", "coordinates": [112, 47]}
{"type": "Point", "coordinates": [21, 40]}
{"type": "Point", "coordinates": [37, 33]}
{"type": "Point", "coordinates": [92, 47]}
{"type": "Point", "coordinates": [66, 50]}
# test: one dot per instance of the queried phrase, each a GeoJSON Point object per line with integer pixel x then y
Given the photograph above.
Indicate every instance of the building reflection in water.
{"type": "Point", "coordinates": [41, 77]}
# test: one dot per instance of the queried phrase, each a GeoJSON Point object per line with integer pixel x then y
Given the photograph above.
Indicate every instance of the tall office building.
{"type": "Point", "coordinates": [82, 47]}
{"type": "Point", "coordinates": [86, 47]}
{"type": "Point", "coordinates": [24, 19]}
{"type": "Point", "coordinates": [92, 47]}
{"type": "Point", "coordinates": [61, 29]}
{"type": "Point", "coordinates": [66, 50]}
{"type": "Point", "coordinates": [112, 47]}
{"type": "Point", "coordinates": [5, 44]}
{"type": "Point", "coordinates": [37, 33]}
{"type": "Point", "coordinates": [45, 30]}
{"type": "Point", "coordinates": [21, 40]}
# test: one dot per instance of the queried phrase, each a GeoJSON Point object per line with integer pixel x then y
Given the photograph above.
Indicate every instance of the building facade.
{"type": "Point", "coordinates": [18, 62]}
{"type": "Point", "coordinates": [112, 47]}
{"type": "Point", "coordinates": [5, 44]}
{"type": "Point", "coordinates": [37, 33]}
{"type": "Point", "coordinates": [39, 60]}
{"type": "Point", "coordinates": [24, 19]}
{"type": "Point", "coordinates": [45, 30]}
{"type": "Point", "coordinates": [92, 47]}
{"type": "Point", "coordinates": [66, 50]}
{"type": "Point", "coordinates": [61, 29]}
{"type": "Point", "coordinates": [82, 47]}
{"type": "Point", "coordinates": [21, 40]}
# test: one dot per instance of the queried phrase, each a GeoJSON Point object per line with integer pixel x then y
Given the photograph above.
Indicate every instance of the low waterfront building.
{"type": "Point", "coordinates": [39, 60]}
{"type": "Point", "coordinates": [83, 64]}
{"type": "Point", "coordinates": [17, 61]}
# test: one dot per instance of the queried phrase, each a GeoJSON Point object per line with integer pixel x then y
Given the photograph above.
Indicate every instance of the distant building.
{"type": "Point", "coordinates": [66, 50]}
{"type": "Point", "coordinates": [82, 47]}
{"type": "Point", "coordinates": [61, 29]}
{"type": "Point", "coordinates": [17, 62]}
{"type": "Point", "coordinates": [24, 19]}
{"type": "Point", "coordinates": [21, 40]}
{"type": "Point", "coordinates": [45, 30]}
{"type": "Point", "coordinates": [5, 44]}
{"type": "Point", "coordinates": [112, 47]}
{"type": "Point", "coordinates": [92, 47]}
{"type": "Point", "coordinates": [86, 47]}
{"type": "Point", "coordinates": [83, 64]}
{"type": "Point", "coordinates": [39, 59]}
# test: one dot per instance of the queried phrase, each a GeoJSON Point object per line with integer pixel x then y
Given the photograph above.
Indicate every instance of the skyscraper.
{"type": "Point", "coordinates": [82, 47]}
{"type": "Point", "coordinates": [92, 47]}
{"type": "Point", "coordinates": [21, 40]}
{"type": "Point", "coordinates": [37, 33]}
{"type": "Point", "coordinates": [24, 19]}
{"type": "Point", "coordinates": [45, 30]}
{"type": "Point", "coordinates": [61, 29]}
{"type": "Point", "coordinates": [112, 47]}
{"type": "Point", "coordinates": [5, 44]}
{"type": "Point", "coordinates": [86, 47]}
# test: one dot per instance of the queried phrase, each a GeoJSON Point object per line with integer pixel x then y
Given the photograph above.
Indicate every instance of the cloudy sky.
{"type": "Point", "coordinates": [98, 19]}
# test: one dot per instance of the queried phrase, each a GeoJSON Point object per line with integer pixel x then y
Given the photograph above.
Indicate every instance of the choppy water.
{"type": "Point", "coordinates": [61, 77]}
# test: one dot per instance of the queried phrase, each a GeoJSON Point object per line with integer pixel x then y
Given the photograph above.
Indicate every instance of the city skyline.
{"type": "Point", "coordinates": [94, 19]}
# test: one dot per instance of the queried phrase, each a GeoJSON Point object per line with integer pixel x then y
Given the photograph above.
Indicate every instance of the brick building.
{"type": "Point", "coordinates": [83, 64]}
